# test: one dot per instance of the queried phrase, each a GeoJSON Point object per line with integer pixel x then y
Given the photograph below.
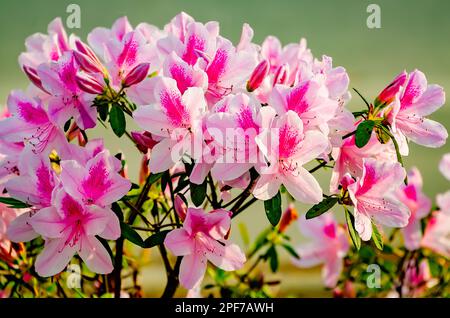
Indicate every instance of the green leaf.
{"type": "Point", "coordinates": [115, 207]}
{"type": "Point", "coordinates": [117, 120]}
{"type": "Point", "coordinates": [156, 239]}
{"type": "Point", "coordinates": [382, 137]}
{"type": "Point", "coordinates": [377, 237]}
{"type": "Point", "coordinates": [152, 178]}
{"type": "Point", "coordinates": [14, 203]}
{"type": "Point", "coordinates": [131, 235]}
{"type": "Point", "coordinates": [363, 133]}
{"type": "Point", "coordinates": [291, 250]}
{"type": "Point", "coordinates": [106, 246]}
{"type": "Point", "coordinates": [165, 179]}
{"type": "Point", "coordinates": [259, 242]}
{"type": "Point", "coordinates": [351, 229]}
{"type": "Point", "coordinates": [273, 209]}
{"type": "Point", "coordinates": [198, 193]}
{"type": "Point", "coordinates": [103, 111]}
{"type": "Point", "coordinates": [321, 207]}
{"type": "Point", "coordinates": [272, 256]}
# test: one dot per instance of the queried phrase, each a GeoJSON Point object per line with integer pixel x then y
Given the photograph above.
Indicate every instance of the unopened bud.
{"type": "Point", "coordinates": [34, 77]}
{"type": "Point", "coordinates": [136, 75]}
{"type": "Point", "coordinates": [258, 75]}
{"type": "Point", "coordinates": [180, 207]}
{"type": "Point", "coordinates": [89, 84]}
{"type": "Point", "coordinates": [144, 140]}
{"type": "Point", "coordinates": [88, 64]}
{"type": "Point", "coordinates": [388, 94]}
{"type": "Point", "coordinates": [289, 216]}
{"type": "Point", "coordinates": [281, 75]}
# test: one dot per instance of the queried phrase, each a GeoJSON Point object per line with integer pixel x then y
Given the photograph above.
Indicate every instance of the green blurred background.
{"type": "Point", "coordinates": [414, 34]}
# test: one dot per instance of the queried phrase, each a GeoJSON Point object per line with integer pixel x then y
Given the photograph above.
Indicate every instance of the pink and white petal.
{"type": "Point", "coordinates": [229, 171]}
{"type": "Point", "coordinates": [331, 271]}
{"type": "Point", "coordinates": [194, 100]}
{"type": "Point", "coordinates": [387, 211]}
{"type": "Point", "coordinates": [13, 129]}
{"type": "Point", "coordinates": [412, 235]}
{"type": "Point", "coordinates": [112, 229]}
{"type": "Point", "coordinates": [363, 225]}
{"type": "Point", "coordinates": [179, 242]}
{"type": "Point", "coordinates": [54, 257]}
{"type": "Point", "coordinates": [313, 144]}
{"type": "Point", "coordinates": [20, 229]}
{"type": "Point", "coordinates": [48, 223]}
{"type": "Point", "coordinates": [95, 255]}
{"type": "Point", "coordinates": [86, 116]}
{"type": "Point", "coordinates": [443, 202]}
{"type": "Point", "coordinates": [162, 157]}
{"type": "Point", "coordinates": [424, 131]}
{"type": "Point", "coordinates": [430, 101]}
{"type": "Point", "coordinates": [119, 187]}
{"type": "Point", "coordinates": [199, 172]}
{"type": "Point", "coordinates": [58, 112]}
{"type": "Point", "coordinates": [310, 254]}
{"type": "Point", "coordinates": [97, 219]}
{"type": "Point", "coordinates": [152, 119]}
{"type": "Point", "coordinates": [444, 166]}
{"type": "Point", "coordinates": [228, 257]}
{"type": "Point", "coordinates": [71, 177]}
{"type": "Point", "coordinates": [302, 186]}
{"type": "Point", "coordinates": [266, 187]}
{"type": "Point", "coordinates": [218, 223]}
{"type": "Point", "coordinates": [192, 270]}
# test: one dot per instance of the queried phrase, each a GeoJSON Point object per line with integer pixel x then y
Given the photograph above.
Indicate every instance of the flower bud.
{"type": "Point", "coordinates": [89, 84]}
{"type": "Point", "coordinates": [88, 64]}
{"type": "Point", "coordinates": [34, 78]}
{"type": "Point", "coordinates": [289, 216]}
{"type": "Point", "coordinates": [136, 75]}
{"type": "Point", "coordinates": [144, 140]}
{"type": "Point", "coordinates": [180, 207]}
{"type": "Point", "coordinates": [258, 75]}
{"type": "Point", "coordinates": [388, 94]}
{"type": "Point", "coordinates": [281, 75]}
{"type": "Point", "coordinates": [86, 50]}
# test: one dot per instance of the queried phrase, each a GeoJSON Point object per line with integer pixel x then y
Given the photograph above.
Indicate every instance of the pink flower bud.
{"type": "Point", "coordinates": [34, 78]}
{"type": "Point", "coordinates": [88, 64]}
{"type": "Point", "coordinates": [144, 140]}
{"type": "Point", "coordinates": [388, 94]}
{"type": "Point", "coordinates": [289, 216]}
{"type": "Point", "coordinates": [180, 207]}
{"type": "Point", "coordinates": [281, 75]}
{"type": "Point", "coordinates": [136, 75]}
{"type": "Point", "coordinates": [258, 75]}
{"type": "Point", "coordinates": [89, 84]}
{"type": "Point", "coordinates": [86, 50]}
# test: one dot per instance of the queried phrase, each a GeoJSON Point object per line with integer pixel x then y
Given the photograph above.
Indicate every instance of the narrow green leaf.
{"type": "Point", "coordinates": [272, 256]}
{"type": "Point", "coordinates": [198, 193]}
{"type": "Point", "coordinates": [259, 242]}
{"type": "Point", "coordinates": [103, 111]}
{"type": "Point", "coordinates": [363, 133]}
{"type": "Point", "coordinates": [351, 229]}
{"type": "Point", "coordinates": [273, 209]}
{"type": "Point", "coordinates": [377, 237]}
{"type": "Point", "coordinates": [165, 179]}
{"type": "Point", "coordinates": [152, 178]}
{"type": "Point", "coordinates": [14, 203]}
{"type": "Point", "coordinates": [156, 239]}
{"type": "Point", "coordinates": [291, 250]}
{"type": "Point", "coordinates": [131, 235]}
{"type": "Point", "coordinates": [321, 207]}
{"type": "Point", "coordinates": [115, 207]}
{"type": "Point", "coordinates": [117, 120]}
{"type": "Point", "coordinates": [106, 246]}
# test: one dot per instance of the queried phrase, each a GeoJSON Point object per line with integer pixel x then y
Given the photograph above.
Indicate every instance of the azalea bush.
{"type": "Point", "coordinates": [223, 126]}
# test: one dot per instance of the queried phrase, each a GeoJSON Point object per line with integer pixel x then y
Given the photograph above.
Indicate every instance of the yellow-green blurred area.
{"type": "Point", "coordinates": [413, 34]}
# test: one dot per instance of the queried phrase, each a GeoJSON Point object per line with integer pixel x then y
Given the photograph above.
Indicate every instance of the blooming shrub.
{"type": "Point", "coordinates": [222, 127]}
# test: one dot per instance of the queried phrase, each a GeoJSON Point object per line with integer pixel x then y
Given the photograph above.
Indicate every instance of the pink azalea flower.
{"type": "Point", "coordinates": [95, 182]}
{"type": "Point", "coordinates": [43, 48]}
{"type": "Point", "coordinates": [36, 172]}
{"type": "Point", "coordinates": [30, 123]}
{"type": "Point", "coordinates": [349, 159]}
{"type": "Point", "coordinates": [417, 279]}
{"type": "Point", "coordinates": [437, 232]}
{"type": "Point", "coordinates": [388, 94]}
{"type": "Point", "coordinates": [310, 100]}
{"type": "Point", "coordinates": [233, 129]}
{"type": "Point", "coordinates": [287, 147]}
{"type": "Point", "coordinates": [412, 104]}
{"type": "Point", "coordinates": [70, 227]}
{"type": "Point", "coordinates": [373, 196]}
{"type": "Point", "coordinates": [419, 205]}
{"type": "Point", "coordinates": [329, 246]}
{"type": "Point", "coordinates": [444, 166]}
{"type": "Point", "coordinates": [7, 215]}
{"type": "Point", "coordinates": [175, 117]}
{"type": "Point", "coordinates": [202, 239]}
{"type": "Point", "coordinates": [68, 100]}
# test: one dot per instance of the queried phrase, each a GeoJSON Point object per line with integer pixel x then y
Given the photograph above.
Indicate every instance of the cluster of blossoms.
{"type": "Point", "coordinates": [242, 116]}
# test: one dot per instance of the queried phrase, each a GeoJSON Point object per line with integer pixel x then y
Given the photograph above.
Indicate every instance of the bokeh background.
{"type": "Point", "coordinates": [414, 34]}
